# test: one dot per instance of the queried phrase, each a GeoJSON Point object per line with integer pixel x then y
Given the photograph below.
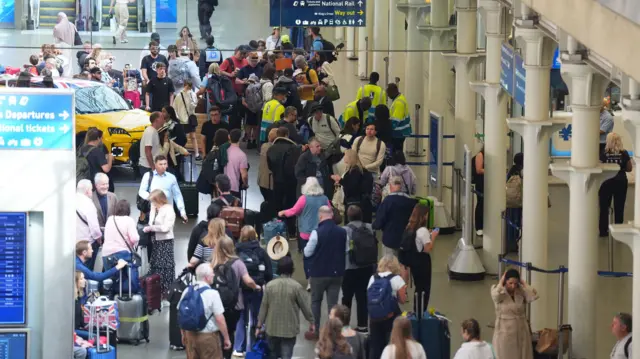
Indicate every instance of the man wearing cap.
{"type": "Point", "coordinates": [272, 111]}
{"type": "Point", "coordinates": [287, 82]}
{"type": "Point", "coordinates": [162, 50]}
{"type": "Point", "coordinates": [324, 126]}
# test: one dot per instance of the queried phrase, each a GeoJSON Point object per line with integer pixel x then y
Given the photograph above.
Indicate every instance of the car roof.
{"type": "Point", "coordinates": [58, 82]}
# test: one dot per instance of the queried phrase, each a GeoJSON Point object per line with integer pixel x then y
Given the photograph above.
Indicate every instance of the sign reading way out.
{"type": "Point", "coordinates": [36, 120]}
{"type": "Point", "coordinates": [290, 13]}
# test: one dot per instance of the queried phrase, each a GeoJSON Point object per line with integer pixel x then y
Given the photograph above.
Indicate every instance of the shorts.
{"type": "Point", "coordinates": [252, 119]}
{"type": "Point", "coordinates": [188, 128]}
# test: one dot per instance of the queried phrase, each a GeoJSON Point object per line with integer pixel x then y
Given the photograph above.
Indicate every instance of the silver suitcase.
{"type": "Point", "coordinates": [133, 314]}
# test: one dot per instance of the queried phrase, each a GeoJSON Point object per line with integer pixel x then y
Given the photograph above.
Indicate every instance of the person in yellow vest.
{"type": "Point", "coordinates": [376, 93]}
{"type": "Point", "coordinates": [272, 111]}
{"type": "Point", "coordinates": [400, 116]}
{"type": "Point", "coordinates": [358, 109]}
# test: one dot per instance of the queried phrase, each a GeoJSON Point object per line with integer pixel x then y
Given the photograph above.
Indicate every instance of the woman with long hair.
{"type": "Point", "coordinates": [172, 150]}
{"type": "Point", "coordinates": [332, 344]}
{"type": "Point", "coordinates": [473, 347]}
{"type": "Point", "coordinates": [398, 167]}
{"type": "Point", "coordinates": [417, 243]}
{"type": "Point", "coordinates": [162, 219]}
{"type": "Point", "coordinates": [614, 188]}
{"type": "Point", "coordinates": [357, 341]}
{"type": "Point", "coordinates": [402, 344]}
{"type": "Point", "coordinates": [204, 249]}
{"type": "Point", "coordinates": [224, 258]}
{"type": "Point", "coordinates": [356, 184]}
{"type": "Point", "coordinates": [185, 39]}
{"type": "Point", "coordinates": [512, 334]}
{"type": "Point", "coordinates": [383, 125]}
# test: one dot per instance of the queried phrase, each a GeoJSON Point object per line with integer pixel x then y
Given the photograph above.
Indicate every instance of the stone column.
{"type": "Point", "coordinates": [495, 134]}
{"type": "Point", "coordinates": [365, 44]}
{"type": "Point", "coordinates": [535, 129]}
{"type": "Point", "coordinates": [380, 37]}
{"type": "Point", "coordinates": [397, 45]}
{"type": "Point", "coordinates": [584, 174]}
{"type": "Point", "coordinates": [351, 43]}
{"type": "Point", "coordinates": [339, 35]}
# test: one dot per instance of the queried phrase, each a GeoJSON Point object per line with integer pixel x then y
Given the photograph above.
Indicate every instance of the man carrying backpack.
{"type": "Point", "coordinates": [201, 317]}
{"type": "Point", "coordinates": [183, 69]}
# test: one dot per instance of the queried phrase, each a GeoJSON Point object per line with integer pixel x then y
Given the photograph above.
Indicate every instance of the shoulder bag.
{"type": "Point", "coordinates": [192, 119]}
{"type": "Point", "coordinates": [136, 260]}
{"type": "Point", "coordinates": [143, 204]}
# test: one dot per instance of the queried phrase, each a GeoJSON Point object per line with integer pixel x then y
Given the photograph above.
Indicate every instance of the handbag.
{"type": "Point", "coordinates": [77, 40]}
{"type": "Point", "coordinates": [136, 260]}
{"type": "Point", "coordinates": [338, 198]}
{"type": "Point", "coordinates": [192, 119]}
{"type": "Point", "coordinates": [548, 341]}
{"type": "Point", "coordinates": [332, 91]}
{"type": "Point", "coordinates": [143, 204]}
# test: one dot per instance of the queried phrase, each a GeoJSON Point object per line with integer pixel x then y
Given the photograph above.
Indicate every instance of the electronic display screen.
{"type": "Point", "coordinates": [13, 264]}
{"type": "Point", "coordinates": [14, 345]}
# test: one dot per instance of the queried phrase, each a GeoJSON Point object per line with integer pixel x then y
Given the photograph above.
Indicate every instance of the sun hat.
{"type": "Point", "coordinates": [277, 247]}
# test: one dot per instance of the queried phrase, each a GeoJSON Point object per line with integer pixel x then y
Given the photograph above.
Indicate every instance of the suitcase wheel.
{"type": "Point", "coordinates": [147, 339]}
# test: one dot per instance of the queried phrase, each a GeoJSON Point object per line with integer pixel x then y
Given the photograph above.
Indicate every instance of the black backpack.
{"type": "Point", "coordinates": [227, 284]}
{"type": "Point", "coordinates": [408, 242]}
{"type": "Point", "coordinates": [329, 51]}
{"type": "Point", "coordinates": [221, 93]}
{"type": "Point", "coordinates": [210, 169]}
{"type": "Point", "coordinates": [365, 246]}
{"type": "Point", "coordinates": [252, 260]}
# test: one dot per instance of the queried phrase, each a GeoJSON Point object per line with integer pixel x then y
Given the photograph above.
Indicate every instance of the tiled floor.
{"type": "Point", "coordinates": [241, 20]}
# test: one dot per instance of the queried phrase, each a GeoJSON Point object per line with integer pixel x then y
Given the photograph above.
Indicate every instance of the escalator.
{"type": "Point", "coordinates": [49, 10]}
{"type": "Point", "coordinates": [132, 24]}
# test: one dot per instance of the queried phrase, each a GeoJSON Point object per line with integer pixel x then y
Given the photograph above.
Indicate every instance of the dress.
{"type": "Point", "coordinates": [512, 334]}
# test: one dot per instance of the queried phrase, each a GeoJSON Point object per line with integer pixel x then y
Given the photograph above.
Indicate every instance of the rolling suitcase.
{"type": "Point", "coordinates": [274, 227]}
{"type": "Point", "coordinates": [175, 293]}
{"type": "Point", "coordinates": [435, 336]}
{"type": "Point", "coordinates": [102, 314]}
{"type": "Point", "coordinates": [189, 191]}
{"type": "Point", "coordinates": [133, 316]}
{"type": "Point", "coordinates": [152, 287]}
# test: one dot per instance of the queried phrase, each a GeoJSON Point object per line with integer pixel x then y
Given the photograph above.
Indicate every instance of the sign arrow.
{"type": "Point", "coordinates": [64, 128]}
{"type": "Point", "coordinates": [361, 12]}
{"type": "Point", "coordinates": [64, 115]}
{"type": "Point", "coordinates": [360, 3]}
{"type": "Point", "coordinates": [360, 21]}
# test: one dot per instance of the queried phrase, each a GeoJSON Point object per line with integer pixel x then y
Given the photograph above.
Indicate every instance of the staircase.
{"type": "Point", "coordinates": [132, 25]}
{"type": "Point", "coordinates": [49, 10]}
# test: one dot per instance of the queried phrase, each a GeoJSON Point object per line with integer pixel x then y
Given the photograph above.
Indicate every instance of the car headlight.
{"type": "Point", "coordinates": [118, 131]}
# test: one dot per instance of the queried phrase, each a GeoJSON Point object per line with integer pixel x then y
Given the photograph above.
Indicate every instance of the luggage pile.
{"type": "Point", "coordinates": [431, 330]}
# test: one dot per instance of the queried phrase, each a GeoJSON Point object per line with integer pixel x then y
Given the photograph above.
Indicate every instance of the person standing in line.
{"type": "Point", "coordinates": [122, 19]}
{"type": "Point", "coordinates": [393, 215]}
{"type": "Point", "coordinates": [92, 150]}
{"type": "Point", "coordinates": [120, 238]}
{"type": "Point", "coordinates": [477, 178]}
{"type": "Point", "coordinates": [402, 344]}
{"type": "Point", "coordinates": [370, 149]}
{"type": "Point", "coordinates": [355, 338]}
{"type": "Point", "coordinates": [265, 176]}
{"type": "Point", "coordinates": [148, 66]}
{"type": "Point", "coordinates": [185, 105]}
{"type": "Point", "coordinates": [237, 167]}
{"type": "Point", "coordinates": [606, 124]}
{"type": "Point", "coordinates": [150, 143]}
{"type": "Point", "coordinates": [104, 200]}
{"type": "Point", "coordinates": [622, 329]}
{"type": "Point", "coordinates": [160, 90]}
{"type": "Point", "coordinates": [473, 347]}
{"type": "Point", "coordinates": [614, 188]}
{"type": "Point", "coordinates": [331, 343]}
{"type": "Point", "coordinates": [87, 225]}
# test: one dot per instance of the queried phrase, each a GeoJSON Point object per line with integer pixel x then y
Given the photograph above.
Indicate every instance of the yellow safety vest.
{"type": "Point", "coordinates": [376, 93]}
{"type": "Point", "coordinates": [272, 111]}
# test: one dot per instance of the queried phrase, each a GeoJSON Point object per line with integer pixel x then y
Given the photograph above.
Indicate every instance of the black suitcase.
{"type": "Point", "coordinates": [174, 295]}
{"type": "Point", "coordinates": [189, 190]}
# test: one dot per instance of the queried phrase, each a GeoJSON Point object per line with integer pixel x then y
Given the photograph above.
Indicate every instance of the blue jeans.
{"type": "Point", "coordinates": [111, 261]}
{"type": "Point", "coordinates": [252, 302]}
{"type": "Point", "coordinates": [281, 347]}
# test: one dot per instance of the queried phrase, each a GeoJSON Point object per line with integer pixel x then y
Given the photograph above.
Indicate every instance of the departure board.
{"type": "Point", "coordinates": [13, 263]}
{"type": "Point", "coordinates": [14, 345]}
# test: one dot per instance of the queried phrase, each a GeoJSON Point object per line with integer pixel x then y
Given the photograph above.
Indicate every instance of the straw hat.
{"type": "Point", "coordinates": [277, 247]}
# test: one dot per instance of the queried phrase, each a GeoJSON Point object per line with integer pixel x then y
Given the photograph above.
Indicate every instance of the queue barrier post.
{"type": "Point", "coordinates": [500, 265]}
{"type": "Point", "coordinates": [561, 315]}
{"type": "Point", "coordinates": [503, 233]}
{"type": "Point", "coordinates": [528, 270]}
{"type": "Point", "coordinates": [386, 71]}
{"type": "Point", "coordinates": [610, 243]}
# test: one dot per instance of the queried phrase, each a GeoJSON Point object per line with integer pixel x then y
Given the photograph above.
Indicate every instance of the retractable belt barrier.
{"type": "Point", "coordinates": [609, 274]}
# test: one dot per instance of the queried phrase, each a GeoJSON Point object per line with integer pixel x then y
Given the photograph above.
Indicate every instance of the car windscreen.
{"type": "Point", "coordinates": [99, 99]}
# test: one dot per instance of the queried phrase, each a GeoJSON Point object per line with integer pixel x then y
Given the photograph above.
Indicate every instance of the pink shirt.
{"type": "Point", "coordinates": [237, 161]}
{"type": "Point", "coordinates": [296, 210]}
{"type": "Point", "coordinates": [113, 241]}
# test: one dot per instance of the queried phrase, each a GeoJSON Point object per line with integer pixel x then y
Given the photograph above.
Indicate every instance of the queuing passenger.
{"type": "Point", "coordinates": [210, 130]}
{"type": "Point", "coordinates": [606, 124]}
{"type": "Point", "coordinates": [393, 215]}
{"type": "Point", "coordinates": [355, 278]}
{"type": "Point", "coordinates": [402, 344]}
{"type": "Point", "coordinates": [120, 239]}
{"type": "Point", "coordinates": [201, 230]}
{"type": "Point", "coordinates": [237, 167]}
{"type": "Point", "coordinates": [477, 178]}
{"type": "Point", "coordinates": [281, 160]}
{"type": "Point", "coordinates": [84, 252]}
{"type": "Point", "coordinates": [616, 187]}
{"type": "Point", "coordinates": [310, 80]}
{"type": "Point", "coordinates": [312, 164]}
{"type": "Point", "coordinates": [384, 127]}
{"type": "Point", "coordinates": [370, 149]}
{"type": "Point", "coordinates": [150, 143]}
{"type": "Point", "coordinates": [80, 334]}
{"type": "Point", "coordinates": [283, 300]}
{"type": "Point", "coordinates": [172, 150]}
{"type": "Point", "coordinates": [224, 256]}
{"type": "Point", "coordinates": [622, 328]}
{"type": "Point", "coordinates": [159, 90]}
{"type": "Point", "coordinates": [332, 344]}
{"type": "Point", "coordinates": [512, 335]}
{"type": "Point", "coordinates": [225, 196]}
{"type": "Point", "coordinates": [186, 41]}
{"type": "Point", "coordinates": [104, 200]}
{"type": "Point", "coordinates": [265, 176]}
{"type": "Point", "coordinates": [388, 274]}
{"type": "Point", "coordinates": [513, 213]}
{"type": "Point", "coordinates": [356, 184]}
{"type": "Point", "coordinates": [216, 229]}
{"type": "Point", "coordinates": [87, 225]}
{"type": "Point", "coordinates": [324, 101]}
{"type": "Point", "coordinates": [326, 267]}
{"type": "Point", "coordinates": [151, 53]}
{"type": "Point", "coordinates": [287, 82]}
{"type": "Point", "coordinates": [289, 121]}
{"type": "Point", "coordinates": [473, 347]}
{"type": "Point", "coordinates": [206, 343]}
{"type": "Point", "coordinates": [162, 219]}
{"type": "Point", "coordinates": [324, 126]}
{"type": "Point", "coordinates": [356, 339]}
{"type": "Point", "coordinates": [98, 160]}
{"type": "Point", "coordinates": [398, 167]}
{"type": "Point", "coordinates": [165, 181]}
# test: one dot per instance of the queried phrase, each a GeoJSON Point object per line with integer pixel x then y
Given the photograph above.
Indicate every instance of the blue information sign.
{"type": "Point", "coordinates": [434, 137]}
{"type": "Point", "coordinates": [507, 72]}
{"type": "Point", "coordinates": [291, 13]}
{"type": "Point", "coordinates": [41, 120]}
{"type": "Point", "coordinates": [556, 59]}
{"type": "Point", "coordinates": [13, 265]}
{"type": "Point", "coordinates": [520, 80]}
{"type": "Point", "coordinates": [166, 11]}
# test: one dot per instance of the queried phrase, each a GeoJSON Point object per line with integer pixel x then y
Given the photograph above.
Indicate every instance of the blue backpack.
{"type": "Point", "coordinates": [380, 301]}
{"type": "Point", "coordinates": [191, 310]}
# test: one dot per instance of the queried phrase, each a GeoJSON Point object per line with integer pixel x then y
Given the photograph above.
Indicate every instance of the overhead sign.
{"type": "Point", "coordinates": [13, 267]}
{"type": "Point", "coordinates": [507, 72]}
{"type": "Point", "coordinates": [7, 14]}
{"type": "Point", "coordinates": [36, 119]}
{"type": "Point", "coordinates": [291, 13]}
{"type": "Point", "coordinates": [520, 80]}
{"type": "Point", "coordinates": [166, 12]}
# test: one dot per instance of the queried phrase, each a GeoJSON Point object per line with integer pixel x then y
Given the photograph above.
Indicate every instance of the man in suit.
{"type": "Point", "coordinates": [104, 200]}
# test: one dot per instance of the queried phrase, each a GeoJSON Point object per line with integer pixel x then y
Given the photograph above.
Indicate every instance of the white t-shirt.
{"type": "Point", "coordinates": [396, 282]}
{"type": "Point", "coordinates": [212, 306]}
{"type": "Point", "coordinates": [415, 351]}
{"type": "Point", "coordinates": [423, 237]}
{"type": "Point", "coordinates": [618, 349]}
{"type": "Point", "coordinates": [150, 137]}
{"type": "Point", "coordinates": [475, 350]}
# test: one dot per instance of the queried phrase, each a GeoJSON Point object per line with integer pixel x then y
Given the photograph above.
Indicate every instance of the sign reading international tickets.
{"type": "Point", "coordinates": [36, 119]}
{"type": "Point", "coordinates": [290, 13]}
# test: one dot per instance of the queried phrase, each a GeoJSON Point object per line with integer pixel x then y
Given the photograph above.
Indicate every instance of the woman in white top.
{"type": "Point", "coordinates": [185, 103]}
{"type": "Point", "coordinates": [473, 347]}
{"type": "Point", "coordinates": [162, 218]}
{"type": "Point", "coordinates": [273, 41]}
{"type": "Point", "coordinates": [417, 243]}
{"type": "Point", "coordinates": [402, 345]}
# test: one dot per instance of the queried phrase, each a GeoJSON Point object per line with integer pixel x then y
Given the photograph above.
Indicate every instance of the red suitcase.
{"type": "Point", "coordinates": [152, 291]}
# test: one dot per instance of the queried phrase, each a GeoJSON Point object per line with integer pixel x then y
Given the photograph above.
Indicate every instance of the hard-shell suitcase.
{"type": "Point", "coordinates": [435, 336]}
{"type": "Point", "coordinates": [273, 228]}
{"type": "Point", "coordinates": [175, 293]}
{"type": "Point", "coordinates": [152, 287]}
{"type": "Point", "coordinates": [189, 191]}
{"type": "Point", "coordinates": [133, 315]}
{"type": "Point", "coordinates": [101, 350]}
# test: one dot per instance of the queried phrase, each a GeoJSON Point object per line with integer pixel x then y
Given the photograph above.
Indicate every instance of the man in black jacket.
{"type": "Point", "coordinates": [289, 121]}
{"type": "Point", "coordinates": [287, 82]}
{"type": "Point", "coordinates": [323, 100]}
{"type": "Point", "coordinates": [312, 164]}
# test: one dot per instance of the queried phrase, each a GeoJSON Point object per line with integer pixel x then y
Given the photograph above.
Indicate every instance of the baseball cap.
{"type": "Point", "coordinates": [285, 39]}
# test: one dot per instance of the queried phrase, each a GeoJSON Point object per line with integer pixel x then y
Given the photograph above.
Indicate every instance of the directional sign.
{"type": "Point", "coordinates": [520, 77]}
{"type": "Point", "coordinates": [291, 13]}
{"type": "Point", "coordinates": [36, 120]}
{"type": "Point", "coordinates": [507, 72]}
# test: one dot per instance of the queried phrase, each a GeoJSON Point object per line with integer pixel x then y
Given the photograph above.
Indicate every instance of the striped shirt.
{"type": "Point", "coordinates": [203, 252]}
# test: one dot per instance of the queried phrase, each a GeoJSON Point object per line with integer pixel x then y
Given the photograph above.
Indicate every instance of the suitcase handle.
{"type": "Point", "coordinates": [130, 279]}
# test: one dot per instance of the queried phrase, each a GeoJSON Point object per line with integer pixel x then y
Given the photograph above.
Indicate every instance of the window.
{"type": "Point", "coordinates": [99, 99]}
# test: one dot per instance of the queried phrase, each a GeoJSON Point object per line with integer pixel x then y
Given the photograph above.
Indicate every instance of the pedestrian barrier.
{"type": "Point", "coordinates": [609, 274]}
{"type": "Point", "coordinates": [610, 242]}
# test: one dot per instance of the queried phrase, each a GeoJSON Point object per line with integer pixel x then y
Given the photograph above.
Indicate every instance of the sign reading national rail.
{"type": "Point", "coordinates": [36, 120]}
{"type": "Point", "coordinates": [289, 13]}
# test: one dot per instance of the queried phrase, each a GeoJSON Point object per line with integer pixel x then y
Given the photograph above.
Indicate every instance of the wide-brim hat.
{"type": "Point", "coordinates": [277, 247]}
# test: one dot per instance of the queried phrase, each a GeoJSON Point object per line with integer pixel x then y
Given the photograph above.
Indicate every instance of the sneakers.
{"type": "Point", "coordinates": [308, 335]}
{"type": "Point", "coordinates": [198, 157]}
{"type": "Point", "coordinates": [165, 303]}
{"type": "Point", "coordinates": [237, 354]}
{"type": "Point", "coordinates": [114, 40]}
{"type": "Point", "coordinates": [363, 330]}
{"type": "Point", "coordinates": [479, 233]}
{"type": "Point", "coordinates": [308, 287]}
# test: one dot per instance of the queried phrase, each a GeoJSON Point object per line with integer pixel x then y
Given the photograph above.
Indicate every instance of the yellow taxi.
{"type": "Point", "coordinates": [98, 105]}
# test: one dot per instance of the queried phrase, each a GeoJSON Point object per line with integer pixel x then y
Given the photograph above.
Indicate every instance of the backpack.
{"type": "Point", "coordinates": [378, 145]}
{"type": "Point", "coordinates": [233, 215]}
{"type": "Point", "coordinates": [178, 72]}
{"type": "Point", "coordinates": [380, 301]}
{"type": "Point", "coordinates": [83, 170]}
{"type": "Point", "coordinates": [221, 93]}
{"type": "Point", "coordinates": [227, 284]}
{"type": "Point", "coordinates": [408, 242]}
{"type": "Point", "coordinates": [252, 260]}
{"type": "Point", "coordinates": [254, 98]}
{"type": "Point", "coordinates": [365, 246]}
{"type": "Point", "coordinates": [514, 191]}
{"type": "Point", "coordinates": [329, 50]}
{"type": "Point", "coordinates": [210, 169]}
{"type": "Point", "coordinates": [191, 315]}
